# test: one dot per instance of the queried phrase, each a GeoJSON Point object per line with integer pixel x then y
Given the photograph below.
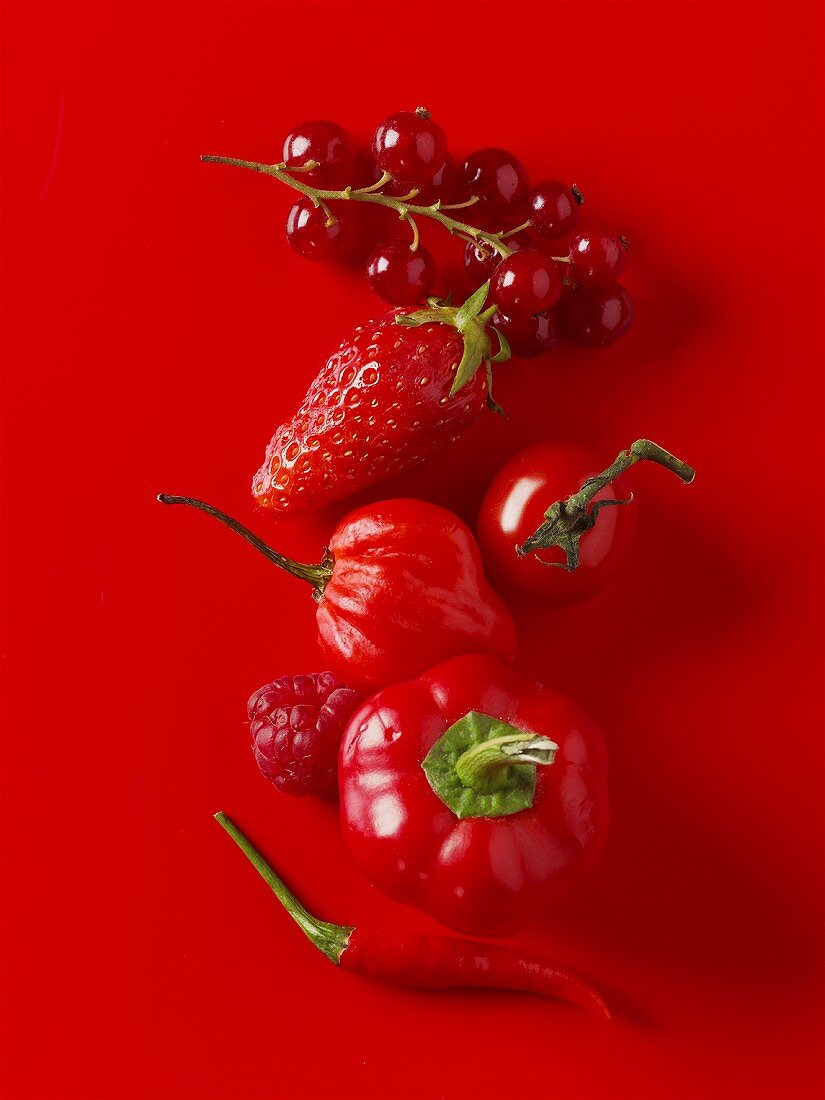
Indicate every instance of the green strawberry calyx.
{"type": "Point", "coordinates": [471, 320]}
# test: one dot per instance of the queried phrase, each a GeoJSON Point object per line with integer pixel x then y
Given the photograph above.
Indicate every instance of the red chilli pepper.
{"type": "Point", "coordinates": [400, 587]}
{"type": "Point", "coordinates": [474, 794]}
{"type": "Point", "coordinates": [430, 962]}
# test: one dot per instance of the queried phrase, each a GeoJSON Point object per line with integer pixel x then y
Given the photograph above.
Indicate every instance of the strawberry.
{"type": "Point", "coordinates": [395, 392]}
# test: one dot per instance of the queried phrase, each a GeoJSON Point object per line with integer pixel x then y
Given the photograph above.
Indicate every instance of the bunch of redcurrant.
{"type": "Point", "coordinates": [506, 227]}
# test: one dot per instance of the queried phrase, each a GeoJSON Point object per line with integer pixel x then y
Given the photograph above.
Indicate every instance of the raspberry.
{"type": "Point", "coordinates": [297, 723]}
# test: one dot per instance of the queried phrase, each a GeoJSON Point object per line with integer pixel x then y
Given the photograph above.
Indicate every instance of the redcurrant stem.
{"type": "Point", "coordinates": [415, 235]}
{"type": "Point", "coordinates": [310, 166]}
{"type": "Point", "coordinates": [518, 229]}
{"type": "Point", "coordinates": [319, 196]}
{"type": "Point", "coordinates": [409, 195]}
{"type": "Point", "coordinates": [465, 237]}
{"type": "Point", "coordinates": [385, 178]}
{"type": "Point", "coordinates": [460, 205]}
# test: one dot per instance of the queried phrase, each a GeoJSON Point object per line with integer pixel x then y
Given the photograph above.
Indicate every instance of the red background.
{"type": "Point", "coordinates": [156, 327]}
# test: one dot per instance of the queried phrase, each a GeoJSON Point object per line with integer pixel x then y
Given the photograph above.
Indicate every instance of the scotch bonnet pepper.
{"type": "Point", "coordinates": [400, 586]}
{"type": "Point", "coordinates": [473, 793]}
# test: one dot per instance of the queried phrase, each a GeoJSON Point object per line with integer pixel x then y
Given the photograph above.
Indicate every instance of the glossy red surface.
{"type": "Point", "coordinates": [597, 318]}
{"type": "Point", "coordinates": [400, 276]}
{"type": "Point", "coordinates": [450, 962]}
{"type": "Point", "coordinates": [480, 875]}
{"type": "Point", "coordinates": [526, 283]}
{"type": "Point", "coordinates": [499, 180]}
{"type": "Point", "coordinates": [514, 508]}
{"type": "Point", "coordinates": [529, 337]}
{"type": "Point", "coordinates": [409, 147]}
{"type": "Point", "coordinates": [407, 590]}
{"type": "Point", "coordinates": [327, 143]}
{"type": "Point", "coordinates": [552, 208]}
{"type": "Point", "coordinates": [156, 327]}
{"type": "Point", "coordinates": [312, 238]}
{"type": "Point", "coordinates": [597, 257]}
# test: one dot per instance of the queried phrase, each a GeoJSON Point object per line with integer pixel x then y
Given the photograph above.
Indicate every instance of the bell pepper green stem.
{"type": "Point", "coordinates": [332, 939]}
{"type": "Point", "coordinates": [486, 766]}
{"type": "Point", "coordinates": [483, 766]}
{"type": "Point", "coordinates": [316, 575]}
{"type": "Point", "coordinates": [567, 521]}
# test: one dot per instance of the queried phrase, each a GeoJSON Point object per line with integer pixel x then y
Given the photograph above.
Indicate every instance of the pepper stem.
{"type": "Point", "coordinates": [483, 766]}
{"type": "Point", "coordinates": [567, 521]}
{"type": "Point", "coordinates": [486, 766]}
{"type": "Point", "coordinates": [317, 575]}
{"type": "Point", "coordinates": [332, 939]}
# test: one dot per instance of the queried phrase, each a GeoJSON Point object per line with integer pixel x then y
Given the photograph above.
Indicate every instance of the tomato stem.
{"type": "Point", "coordinates": [567, 521]}
{"type": "Point", "coordinates": [316, 575]}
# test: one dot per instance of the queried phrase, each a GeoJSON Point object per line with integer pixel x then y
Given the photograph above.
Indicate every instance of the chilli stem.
{"type": "Point", "coordinates": [332, 939]}
{"type": "Point", "coordinates": [316, 575]}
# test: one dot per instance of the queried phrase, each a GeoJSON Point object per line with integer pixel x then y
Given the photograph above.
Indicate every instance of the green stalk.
{"type": "Point", "coordinates": [332, 939]}
{"type": "Point", "coordinates": [482, 766]}
{"type": "Point", "coordinates": [486, 767]}
{"type": "Point", "coordinates": [567, 521]}
{"type": "Point", "coordinates": [402, 206]}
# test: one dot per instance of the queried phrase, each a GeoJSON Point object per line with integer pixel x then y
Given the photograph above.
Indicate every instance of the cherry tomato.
{"type": "Point", "coordinates": [514, 506]}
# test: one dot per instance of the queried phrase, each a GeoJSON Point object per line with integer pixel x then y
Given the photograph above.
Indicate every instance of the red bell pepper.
{"type": "Point", "coordinates": [400, 586]}
{"type": "Point", "coordinates": [474, 794]}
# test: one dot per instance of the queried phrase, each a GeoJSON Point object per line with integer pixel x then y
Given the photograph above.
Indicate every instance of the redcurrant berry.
{"type": "Point", "coordinates": [597, 317]}
{"type": "Point", "coordinates": [553, 208]}
{"type": "Point", "coordinates": [480, 260]}
{"type": "Point", "coordinates": [525, 283]}
{"type": "Point", "coordinates": [410, 146]}
{"type": "Point", "coordinates": [529, 336]}
{"type": "Point", "coordinates": [308, 233]}
{"type": "Point", "coordinates": [399, 275]}
{"type": "Point", "coordinates": [443, 185]}
{"type": "Point", "coordinates": [499, 180]}
{"type": "Point", "coordinates": [327, 143]}
{"type": "Point", "coordinates": [597, 257]}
